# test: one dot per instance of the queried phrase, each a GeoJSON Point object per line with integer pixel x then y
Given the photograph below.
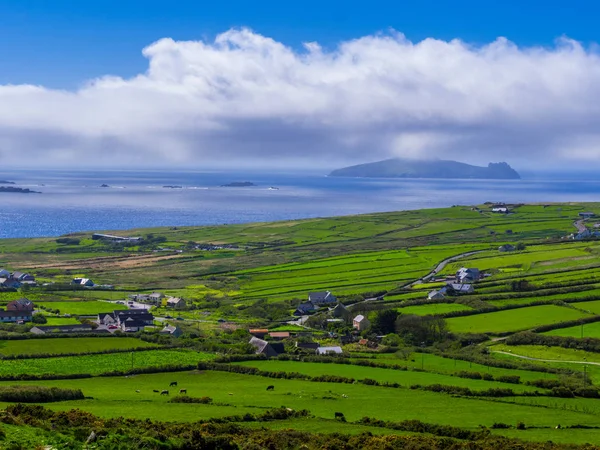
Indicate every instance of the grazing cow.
{"type": "Point", "coordinates": [137, 390]}
{"type": "Point", "coordinates": [231, 393]}
{"type": "Point", "coordinates": [270, 388]}
{"type": "Point", "coordinates": [155, 390]}
{"type": "Point", "coordinates": [183, 391]}
{"type": "Point", "coordinates": [557, 427]}
{"type": "Point", "coordinates": [173, 383]}
{"type": "Point", "coordinates": [165, 392]}
{"type": "Point", "coordinates": [339, 415]}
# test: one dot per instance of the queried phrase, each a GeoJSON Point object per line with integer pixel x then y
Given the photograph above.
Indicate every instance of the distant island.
{"type": "Point", "coordinates": [408, 168]}
{"type": "Point", "coordinates": [238, 184]}
{"type": "Point", "coordinates": [17, 190]}
{"type": "Point", "coordinates": [6, 182]}
{"type": "Point", "coordinates": [172, 187]}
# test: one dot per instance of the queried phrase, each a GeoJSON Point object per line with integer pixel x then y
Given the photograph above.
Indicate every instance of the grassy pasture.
{"type": "Point", "coordinates": [59, 346]}
{"type": "Point", "coordinates": [86, 308]}
{"type": "Point", "coordinates": [513, 319]}
{"type": "Point", "coordinates": [591, 330]}
{"type": "Point", "coordinates": [61, 321]}
{"type": "Point", "coordinates": [549, 353]}
{"type": "Point", "coordinates": [97, 364]}
{"type": "Point", "coordinates": [405, 378]}
{"type": "Point", "coordinates": [118, 397]}
{"type": "Point", "coordinates": [433, 309]}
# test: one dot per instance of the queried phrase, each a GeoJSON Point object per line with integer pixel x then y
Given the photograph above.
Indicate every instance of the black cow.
{"type": "Point", "coordinates": [183, 391]}
{"type": "Point", "coordinates": [173, 383]}
{"type": "Point", "coordinates": [155, 390]}
{"type": "Point", "coordinates": [270, 388]}
{"type": "Point", "coordinates": [339, 415]}
{"type": "Point", "coordinates": [165, 392]}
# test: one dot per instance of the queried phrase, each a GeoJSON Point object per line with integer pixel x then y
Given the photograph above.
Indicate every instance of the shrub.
{"type": "Point", "coordinates": [38, 394]}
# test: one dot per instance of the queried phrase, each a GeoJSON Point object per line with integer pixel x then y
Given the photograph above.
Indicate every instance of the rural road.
{"type": "Point", "coordinates": [547, 360]}
{"type": "Point", "coordinates": [580, 225]}
{"type": "Point", "coordinates": [441, 267]}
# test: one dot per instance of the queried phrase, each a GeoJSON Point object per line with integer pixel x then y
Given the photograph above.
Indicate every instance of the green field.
{"type": "Point", "coordinates": [69, 345]}
{"type": "Point", "coordinates": [433, 309]}
{"type": "Point", "coordinates": [238, 394]}
{"type": "Point", "coordinates": [591, 330]}
{"type": "Point", "coordinates": [97, 364]}
{"type": "Point", "coordinates": [513, 320]}
{"type": "Point", "coordinates": [84, 308]}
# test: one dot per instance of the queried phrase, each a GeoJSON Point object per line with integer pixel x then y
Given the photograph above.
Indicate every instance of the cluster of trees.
{"type": "Point", "coordinates": [38, 394]}
{"type": "Point", "coordinates": [412, 329]}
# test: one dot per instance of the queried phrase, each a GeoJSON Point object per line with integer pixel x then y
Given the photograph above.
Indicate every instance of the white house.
{"type": "Point", "coordinates": [329, 350]}
{"type": "Point", "coordinates": [361, 323]}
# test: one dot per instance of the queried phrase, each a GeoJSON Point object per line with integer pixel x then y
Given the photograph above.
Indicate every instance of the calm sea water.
{"type": "Point", "coordinates": [74, 201]}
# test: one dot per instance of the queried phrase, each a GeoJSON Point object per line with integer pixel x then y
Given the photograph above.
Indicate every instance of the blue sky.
{"type": "Point", "coordinates": [62, 43]}
{"type": "Point", "coordinates": [244, 82]}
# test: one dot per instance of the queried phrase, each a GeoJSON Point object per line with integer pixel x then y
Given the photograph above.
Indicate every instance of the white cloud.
{"type": "Point", "coordinates": [249, 97]}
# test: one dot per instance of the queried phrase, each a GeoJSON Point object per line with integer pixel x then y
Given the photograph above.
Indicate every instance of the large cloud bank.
{"type": "Point", "coordinates": [246, 99]}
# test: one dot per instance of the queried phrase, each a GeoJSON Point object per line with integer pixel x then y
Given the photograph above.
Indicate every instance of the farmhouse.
{"type": "Point", "coordinates": [4, 273]}
{"type": "Point", "coordinates": [83, 282]}
{"type": "Point", "coordinates": [22, 277]}
{"type": "Point", "coordinates": [437, 295]}
{"type": "Point", "coordinates": [461, 288]}
{"type": "Point", "coordinates": [173, 330]}
{"type": "Point", "coordinates": [133, 319]}
{"type": "Point", "coordinates": [22, 304]}
{"type": "Point", "coordinates": [155, 298]}
{"type": "Point", "coordinates": [329, 351]}
{"type": "Point", "coordinates": [15, 316]}
{"type": "Point", "coordinates": [175, 303]}
{"type": "Point", "coordinates": [361, 323]}
{"type": "Point", "coordinates": [500, 209]}
{"type": "Point", "coordinates": [263, 347]}
{"type": "Point", "coordinates": [106, 319]}
{"type": "Point", "coordinates": [304, 308]}
{"type": "Point", "coordinates": [341, 312]}
{"type": "Point", "coordinates": [586, 215]}
{"type": "Point", "coordinates": [9, 283]}
{"type": "Point", "coordinates": [506, 248]}
{"type": "Point", "coordinates": [467, 275]}
{"type": "Point", "coordinates": [132, 325]}
{"type": "Point", "coordinates": [321, 298]}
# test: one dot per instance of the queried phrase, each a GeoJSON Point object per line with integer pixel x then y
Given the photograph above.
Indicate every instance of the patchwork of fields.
{"type": "Point", "coordinates": [451, 356]}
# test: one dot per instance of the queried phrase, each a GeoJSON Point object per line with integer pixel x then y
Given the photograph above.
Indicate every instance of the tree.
{"type": "Point", "coordinates": [39, 318]}
{"type": "Point", "coordinates": [520, 246]}
{"type": "Point", "coordinates": [418, 329]}
{"type": "Point", "coordinates": [384, 321]}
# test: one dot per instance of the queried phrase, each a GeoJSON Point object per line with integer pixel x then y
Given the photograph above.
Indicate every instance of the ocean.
{"type": "Point", "coordinates": [74, 201]}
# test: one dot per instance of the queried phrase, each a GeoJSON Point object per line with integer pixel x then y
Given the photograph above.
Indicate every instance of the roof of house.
{"type": "Point", "coordinates": [280, 334]}
{"type": "Point", "coordinates": [461, 287]}
{"type": "Point", "coordinates": [262, 346]}
{"type": "Point", "coordinates": [325, 350]}
{"type": "Point", "coordinates": [132, 323]}
{"type": "Point", "coordinates": [318, 296]}
{"type": "Point", "coordinates": [258, 331]}
{"type": "Point", "coordinates": [22, 302]}
{"type": "Point", "coordinates": [359, 318]}
{"type": "Point", "coordinates": [169, 329]}
{"type": "Point", "coordinates": [174, 300]}
{"type": "Point", "coordinates": [156, 295]}
{"type": "Point", "coordinates": [140, 317]}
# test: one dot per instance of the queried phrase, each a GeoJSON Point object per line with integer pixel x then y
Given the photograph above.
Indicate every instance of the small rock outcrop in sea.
{"type": "Point", "coordinates": [104, 185]}
{"type": "Point", "coordinates": [17, 190]}
{"type": "Point", "coordinates": [239, 184]}
{"type": "Point", "coordinates": [6, 182]}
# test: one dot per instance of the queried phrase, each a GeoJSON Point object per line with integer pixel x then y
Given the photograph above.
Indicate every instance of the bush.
{"type": "Point", "coordinates": [38, 394]}
{"type": "Point", "coordinates": [39, 318]}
